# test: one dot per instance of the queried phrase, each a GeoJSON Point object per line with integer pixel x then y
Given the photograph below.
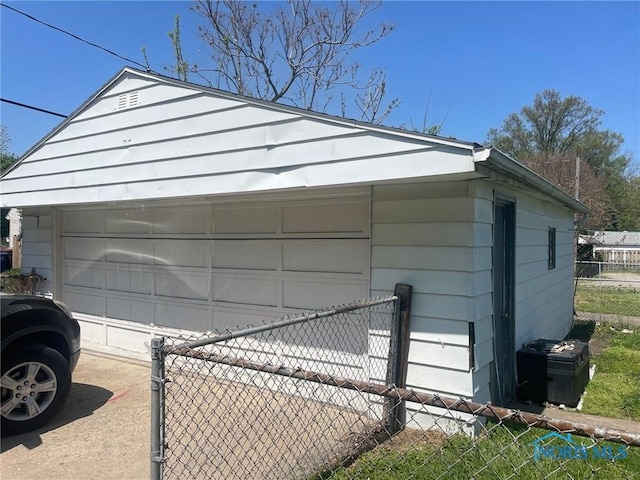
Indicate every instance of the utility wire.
{"type": "Point", "coordinates": [145, 67]}
{"type": "Point", "coordinates": [33, 108]}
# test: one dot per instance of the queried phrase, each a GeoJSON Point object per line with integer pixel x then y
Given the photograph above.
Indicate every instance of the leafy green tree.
{"type": "Point", "coordinates": [553, 135]}
{"type": "Point", "coordinates": [625, 195]}
{"type": "Point", "coordinates": [6, 158]}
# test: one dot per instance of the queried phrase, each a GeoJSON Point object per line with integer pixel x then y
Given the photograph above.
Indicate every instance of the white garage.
{"type": "Point", "coordinates": [161, 207]}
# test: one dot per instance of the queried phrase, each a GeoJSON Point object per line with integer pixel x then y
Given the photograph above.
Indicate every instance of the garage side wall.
{"type": "Point", "coordinates": [544, 294]}
{"type": "Point", "coordinates": [422, 235]}
{"type": "Point", "coordinates": [37, 245]}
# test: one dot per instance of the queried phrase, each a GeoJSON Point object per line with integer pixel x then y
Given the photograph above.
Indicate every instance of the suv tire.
{"type": "Point", "coordinates": [36, 380]}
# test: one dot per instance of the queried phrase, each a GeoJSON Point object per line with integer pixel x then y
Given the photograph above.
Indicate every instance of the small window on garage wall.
{"type": "Point", "coordinates": [552, 248]}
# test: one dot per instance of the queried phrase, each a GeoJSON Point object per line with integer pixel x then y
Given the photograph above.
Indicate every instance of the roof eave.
{"type": "Point", "coordinates": [500, 162]}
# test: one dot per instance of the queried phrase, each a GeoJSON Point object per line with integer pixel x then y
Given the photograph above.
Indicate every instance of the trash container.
{"type": "Point", "coordinates": [6, 257]}
{"type": "Point", "coordinates": [554, 371]}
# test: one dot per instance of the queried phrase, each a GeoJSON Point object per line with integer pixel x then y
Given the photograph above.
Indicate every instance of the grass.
{"type": "Point", "coordinates": [507, 451]}
{"type": "Point", "coordinates": [614, 390]}
{"type": "Point", "coordinates": [608, 300]}
{"type": "Point", "coordinates": [503, 452]}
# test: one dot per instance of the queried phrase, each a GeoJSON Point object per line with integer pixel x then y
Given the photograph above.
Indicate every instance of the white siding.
{"type": "Point", "coordinates": [439, 239]}
{"type": "Point", "coordinates": [482, 194]}
{"type": "Point", "coordinates": [176, 141]}
{"type": "Point", "coordinates": [37, 245]}
{"type": "Point", "coordinates": [543, 297]}
{"type": "Point", "coordinates": [422, 235]}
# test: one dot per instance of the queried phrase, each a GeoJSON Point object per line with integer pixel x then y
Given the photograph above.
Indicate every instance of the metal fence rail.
{"type": "Point", "coordinates": [310, 397]}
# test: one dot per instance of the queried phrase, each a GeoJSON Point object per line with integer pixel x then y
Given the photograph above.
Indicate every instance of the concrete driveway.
{"type": "Point", "coordinates": [102, 432]}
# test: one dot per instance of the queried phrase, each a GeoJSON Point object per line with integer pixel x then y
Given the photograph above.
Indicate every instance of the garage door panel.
{"type": "Point", "coordinates": [83, 222]}
{"type": "Point", "coordinates": [129, 281]}
{"type": "Point", "coordinates": [128, 221]}
{"type": "Point", "coordinates": [316, 295]}
{"type": "Point", "coordinates": [84, 248]}
{"type": "Point", "coordinates": [328, 256]}
{"type": "Point", "coordinates": [181, 220]}
{"type": "Point", "coordinates": [183, 253]}
{"type": "Point", "coordinates": [222, 263]}
{"type": "Point", "coordinates": [187, 317]}
{"type": "Point", "coordinates": [326, 218]}
{"type": "Point", "coordinates": [261, 219]}
{"type": "Point", "coordinates": [86, 302]}
{"type": "Point", "coordinates": [247, 291]}
{"type": "Point", "coordinates": [182, 284]}
{"type": "Point", "coordinates": [130, 309]}
{"type": "Point", "coordinates": [245, 254]}
{"type": "Point", "coordinates": [129, 251]}
{"type": "Point", "coordinates": [84, 275]}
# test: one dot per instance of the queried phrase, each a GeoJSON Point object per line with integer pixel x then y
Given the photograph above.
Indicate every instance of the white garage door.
{"type": "Point", "coordinates": [216, 265]}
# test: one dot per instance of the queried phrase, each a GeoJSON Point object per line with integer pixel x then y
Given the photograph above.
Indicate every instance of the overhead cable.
{"type": "Point", "coordinates": [145, 67]}
{"type": "Point", "coordinates": [33, 108]}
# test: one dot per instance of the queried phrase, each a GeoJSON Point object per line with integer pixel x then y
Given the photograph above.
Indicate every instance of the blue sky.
{"type": "Point", "coordinates": [480, 60]}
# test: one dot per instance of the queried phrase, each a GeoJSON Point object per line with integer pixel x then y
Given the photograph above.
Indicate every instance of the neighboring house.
{"type": "Point", "coordinates": [615, 247]}
{"type": "Point", "coordinates": [161, 205]}
{"type": "Point", "coordinates": [15, 225]}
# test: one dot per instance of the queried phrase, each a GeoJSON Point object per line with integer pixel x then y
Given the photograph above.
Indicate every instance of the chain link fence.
{"type": "Point", "coordinates": [608, 292]}
{"type": "Point", "coordinates": [314, 397]}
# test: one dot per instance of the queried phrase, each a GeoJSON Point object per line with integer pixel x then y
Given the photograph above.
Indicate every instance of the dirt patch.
{"type": "Point", "coordinates": [597, 345]}
{"type": "Point", "coordinates": [222, 430]}
{"type": "Point", "coordinates": [410, 439]}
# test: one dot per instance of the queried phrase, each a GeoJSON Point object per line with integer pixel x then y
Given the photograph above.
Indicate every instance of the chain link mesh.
{"type": "Point", "coordinates": [308, 397]}
{"type": "Point", "coordinates": [608, 292]}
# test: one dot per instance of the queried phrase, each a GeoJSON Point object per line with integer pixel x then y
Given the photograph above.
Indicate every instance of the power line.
{"type": "Point", "coordinates": [145, 67]}
{"type": "Point", "coordinates": [33, 108]}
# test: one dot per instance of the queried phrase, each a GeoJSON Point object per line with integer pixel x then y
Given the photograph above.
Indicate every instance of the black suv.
{"type": "Point", "coordinates": [40, 349]}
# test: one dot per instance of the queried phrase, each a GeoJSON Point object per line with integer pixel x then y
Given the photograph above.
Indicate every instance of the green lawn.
{"type": "Point", "coordinates": [609, 300]}
{"type": "Point", "coordinates": [614, 390]}
{"type": "Point", "coordinates": [504, 452]}
{"type": "Point", "coordinates": [507, 452]}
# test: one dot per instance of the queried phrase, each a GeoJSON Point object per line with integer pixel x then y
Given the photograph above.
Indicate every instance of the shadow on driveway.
{"type": "Point", "coordinates": [83, 401]}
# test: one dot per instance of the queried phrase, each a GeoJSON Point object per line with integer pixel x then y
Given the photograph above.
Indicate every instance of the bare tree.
{"type": "Point", "coordinates": [296, 53]}
{"type": "Point", "coordinates": [560, 170]}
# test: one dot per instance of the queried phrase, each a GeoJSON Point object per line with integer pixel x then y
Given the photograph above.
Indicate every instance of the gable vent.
{"type": "Point", "coordinates": [127, 100]}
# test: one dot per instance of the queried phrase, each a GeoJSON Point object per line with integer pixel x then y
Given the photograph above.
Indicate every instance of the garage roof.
{"type": "Point", "coordinates": [145, 136]}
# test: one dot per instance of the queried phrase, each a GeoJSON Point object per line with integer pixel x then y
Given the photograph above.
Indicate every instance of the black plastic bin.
{"type": "Point", "coordinates": [5, 260]}
{"type": "Point", "coordinates": [553, 371]}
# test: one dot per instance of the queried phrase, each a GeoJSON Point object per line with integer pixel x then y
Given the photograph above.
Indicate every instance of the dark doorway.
{"type": "Point", "coordinates": [503, 375]}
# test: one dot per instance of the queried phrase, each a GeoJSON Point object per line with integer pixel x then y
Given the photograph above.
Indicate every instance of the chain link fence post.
{"type": "Point", "coordinates": [399, 356]}
{"type": "Point", "coordinates": [157, 404]}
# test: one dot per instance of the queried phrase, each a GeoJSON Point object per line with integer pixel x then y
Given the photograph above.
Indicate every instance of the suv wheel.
{"type": "Point", "coordinates": [35, 384]}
